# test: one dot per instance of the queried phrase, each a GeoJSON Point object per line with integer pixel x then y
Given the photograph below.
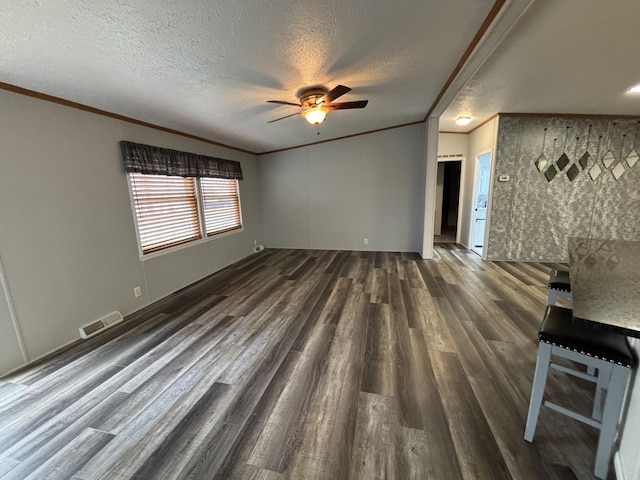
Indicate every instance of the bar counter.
{"type": "Point", "coordinates": [605, 282]}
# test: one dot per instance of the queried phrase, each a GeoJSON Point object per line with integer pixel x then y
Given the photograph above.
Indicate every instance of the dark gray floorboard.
{"type": "Point", "coordinates": [307, 364]}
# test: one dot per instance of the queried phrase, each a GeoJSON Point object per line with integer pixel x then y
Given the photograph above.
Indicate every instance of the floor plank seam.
{"type": "Point", "coordinates": [306, 364]}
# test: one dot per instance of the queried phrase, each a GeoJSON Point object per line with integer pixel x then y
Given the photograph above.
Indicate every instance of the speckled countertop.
{"type": "Point", "coordinates": [605, 282]}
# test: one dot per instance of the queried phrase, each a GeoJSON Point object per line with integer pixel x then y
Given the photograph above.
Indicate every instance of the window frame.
{"type": "Point", "coordinates": [203, 216]}
{"type": "Point", "coordinates": [204, 236]}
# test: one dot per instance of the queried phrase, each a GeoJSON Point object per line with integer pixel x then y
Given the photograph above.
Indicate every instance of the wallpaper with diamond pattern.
{"type": "Point", "coordinates": [568, 177]}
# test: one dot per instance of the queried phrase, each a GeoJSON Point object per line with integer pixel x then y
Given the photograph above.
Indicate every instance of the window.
{"type": "Point", "coordinates": [180, 197]}
{"type": "Point", "coordinates": [221, 205]}
{"type": "Point", "coordinates": [174, 210]}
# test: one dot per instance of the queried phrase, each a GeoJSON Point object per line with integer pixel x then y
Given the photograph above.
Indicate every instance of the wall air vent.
{"type": "Point", "coordinates": [99, 325]}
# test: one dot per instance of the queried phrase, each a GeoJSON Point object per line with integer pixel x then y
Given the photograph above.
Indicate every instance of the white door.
{"type": "Point", "coordinates": [483, 167]}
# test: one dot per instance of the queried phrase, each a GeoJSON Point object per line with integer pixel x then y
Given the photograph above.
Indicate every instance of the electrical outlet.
{"type": "Point", "coordinates": [137, 291]}
{"type": "Point", "coordinates": [366, 241]}
{"type": "Point", "coordinates": [255, 242]}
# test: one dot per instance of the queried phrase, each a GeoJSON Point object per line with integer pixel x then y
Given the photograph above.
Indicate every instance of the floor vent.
{"type": "Point", "coordinates": [100, 325]}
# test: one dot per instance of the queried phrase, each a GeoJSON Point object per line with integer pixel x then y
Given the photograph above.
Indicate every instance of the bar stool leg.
{"type": "Point", "coordinates": [537, 390]}
{"type": "Point", "coordinates": [612, 408]}
{"type": "Point", "coordinates": [604, 376]}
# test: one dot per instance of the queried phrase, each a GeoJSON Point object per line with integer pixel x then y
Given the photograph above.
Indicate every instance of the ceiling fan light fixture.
{"type": "Point", "coordinates": [463, 121]}
{"type": "Point", "coordinates": [315, 115]}
{"type": "Point", "coordinates": [316, 102]}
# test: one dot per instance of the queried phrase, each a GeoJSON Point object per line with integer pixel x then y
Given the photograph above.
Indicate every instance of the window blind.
{"type": "Point", "coordinates": [221, 205]}
{"type": "Point", "coordinates": [166, 210]}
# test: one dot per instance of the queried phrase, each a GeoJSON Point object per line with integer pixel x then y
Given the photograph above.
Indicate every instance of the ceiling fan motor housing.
{"type": "Point", "coordinates": [309, 97]}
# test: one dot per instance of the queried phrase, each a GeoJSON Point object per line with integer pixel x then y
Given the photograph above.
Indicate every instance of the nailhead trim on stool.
{"type": "Point", "coordinates": [561, 329]}
{"type": "Point", "coordinates": [582, 352]}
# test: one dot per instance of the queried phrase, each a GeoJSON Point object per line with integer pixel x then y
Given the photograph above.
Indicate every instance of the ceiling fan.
{"type": "Point", "coordinates": [316, 103]}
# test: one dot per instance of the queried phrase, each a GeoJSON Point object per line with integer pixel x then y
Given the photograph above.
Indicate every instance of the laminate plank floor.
{"type": "Point", "coordinates": [307, 364]}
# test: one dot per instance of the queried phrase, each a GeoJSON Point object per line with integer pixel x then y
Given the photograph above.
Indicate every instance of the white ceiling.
{"type": "Point", "coordinates": [207, 67]}
{"type": "Point", "coordinates": [568, 56]}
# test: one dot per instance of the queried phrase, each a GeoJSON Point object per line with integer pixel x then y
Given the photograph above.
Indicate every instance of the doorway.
{"type": "Point", "coordinates": [480, 198]}
{"type": "Point", "coordinates": [447, 201]}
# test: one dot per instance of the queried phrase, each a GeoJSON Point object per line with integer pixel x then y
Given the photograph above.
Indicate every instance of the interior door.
{"type": "Point", "coordinates": [483, 168]}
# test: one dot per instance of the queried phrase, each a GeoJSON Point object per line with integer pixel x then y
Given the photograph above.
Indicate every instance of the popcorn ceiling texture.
{"type": "Point", "coordinates": [532, 217]}
{"type": "Point", "coordinates": [208, 68]}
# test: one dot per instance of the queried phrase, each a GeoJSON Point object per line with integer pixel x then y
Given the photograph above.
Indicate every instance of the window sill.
{"type": "Point", "coordinates": [150, 256]}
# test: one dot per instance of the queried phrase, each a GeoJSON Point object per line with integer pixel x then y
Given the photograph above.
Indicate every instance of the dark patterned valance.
{"type": "Point", "coordinates": [150, 160]}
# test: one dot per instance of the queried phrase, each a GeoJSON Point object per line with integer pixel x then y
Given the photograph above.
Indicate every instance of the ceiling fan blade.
{"type": "Point", "coordinates": [347, 105]}
{"type": "Point", "coordinates": [333, 94]}
{"type": "Point", "coordinates": [282, 118]}
{"type": "Point", "coordinates": [280, 102]}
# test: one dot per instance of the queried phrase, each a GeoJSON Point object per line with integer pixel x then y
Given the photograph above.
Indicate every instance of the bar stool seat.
{"type": "Point", "coordinates": [559, 286]}
{"type": "Point", "coordinates": [605, 352]}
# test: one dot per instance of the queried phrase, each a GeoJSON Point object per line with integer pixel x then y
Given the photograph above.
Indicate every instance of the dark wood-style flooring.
{"type": "Point", "coordinates": [307, 365]}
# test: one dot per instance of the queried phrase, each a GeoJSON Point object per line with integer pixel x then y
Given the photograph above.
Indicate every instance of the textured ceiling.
{"type": "Point", "coordinates": [207, 67]}
{"type": "Point", "coordinates": [569, 56]}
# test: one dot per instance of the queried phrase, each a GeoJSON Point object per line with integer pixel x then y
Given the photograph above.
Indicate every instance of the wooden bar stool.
{"type": "Point", "coordinates": [559, 286]}
{"type": "Point", "coordinates": [608, 353]}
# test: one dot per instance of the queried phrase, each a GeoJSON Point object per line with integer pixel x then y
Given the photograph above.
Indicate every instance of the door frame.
{"type": "Point", "coordinates": [462, 161]}
{"type": "Point", "coordinates": [476, 173]}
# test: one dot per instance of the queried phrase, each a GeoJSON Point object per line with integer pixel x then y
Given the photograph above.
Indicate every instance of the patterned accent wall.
{"type": "Point", "coordinates": [568, 176]}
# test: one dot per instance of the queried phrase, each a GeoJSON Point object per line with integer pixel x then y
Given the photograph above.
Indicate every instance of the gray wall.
{"type": "Point", "coordinates": [334, 195]}
{"type": "Point", "coordinates": [451, 145]}
{"type": "Point", "coordinates": [67, 237]}
{"type": "Point", "coordinates": [531, 217]}
{"type": "Point", "coordinates": [10, 353]}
